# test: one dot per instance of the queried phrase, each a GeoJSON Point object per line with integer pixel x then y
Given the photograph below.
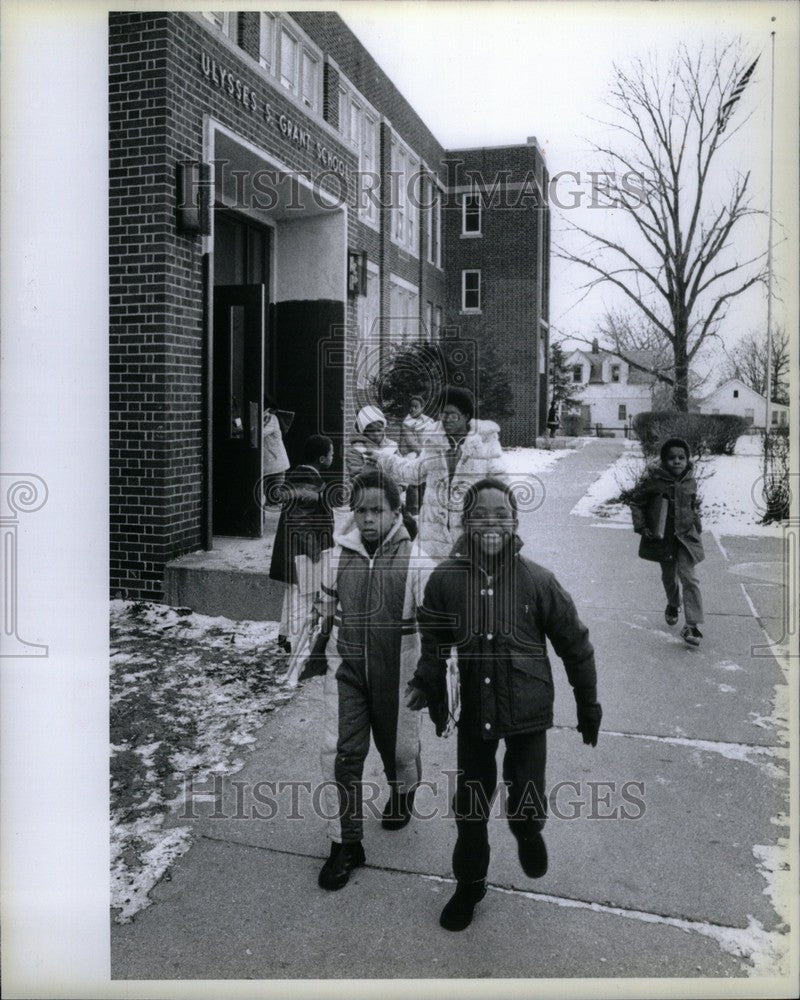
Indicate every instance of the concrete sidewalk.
{"type": "Point", "coordinates": [690, 753]}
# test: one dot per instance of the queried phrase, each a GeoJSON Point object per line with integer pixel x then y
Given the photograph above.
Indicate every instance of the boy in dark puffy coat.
{"type": "Point", "coordinates": [497, 609]}
{"type": "Point", "coordinates": [666, 513]}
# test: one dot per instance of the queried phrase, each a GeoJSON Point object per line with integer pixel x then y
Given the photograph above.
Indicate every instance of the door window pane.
{"type": "Point", "coordinates": [236, 392]}
{"type": "Point", "coordinates": [228, 252]}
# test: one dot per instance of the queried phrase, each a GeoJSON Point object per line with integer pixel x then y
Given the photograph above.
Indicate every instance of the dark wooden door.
{"type": "Point", "coordinates": [238, 402]}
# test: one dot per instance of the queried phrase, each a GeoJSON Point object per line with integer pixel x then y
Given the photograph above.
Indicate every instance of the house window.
{"type": "Point", "coordinates": [615, 373]}
{"type": "Point", "coordinates": [471, 215]}
{"type": "Point", "coordinates": [404, 322]}
{"type": "Point", "coordinates": [266, 43]}
{"type": "Point", "coordinates": [715, 411]}
{"type": "Point", "coordinates": [784, 418]}
{"type": "Point", "coordinates": [622, 413]}
{"type": "Point", "coordinates": [225, 20]}
{"type": "Point", "coordinates": [749, 415]}
{"type": "Point", "coordinates": [774, 417]}
{"type": "Point", "coordinates": [437, 323]}
{"type": "Point", "coordinates": [577, 373]}
{"type": "Point", "coordinates": [405, 197]}
{"type": "Point", "coordinates": [429, 320]}
{"type": "Point", "coordinates": [470, 291]}
{"type": "Point", "coordinates": [358, 124]}
{"type": "Point", "coordinates": [735, 393]}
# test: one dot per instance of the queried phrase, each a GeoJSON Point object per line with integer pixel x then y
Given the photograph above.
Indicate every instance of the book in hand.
{"type": "Point", "coordinates": [659, 525]}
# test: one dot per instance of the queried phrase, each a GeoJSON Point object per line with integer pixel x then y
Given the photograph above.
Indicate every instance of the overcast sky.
{"type": "Point", "coordinates": [494, 73]}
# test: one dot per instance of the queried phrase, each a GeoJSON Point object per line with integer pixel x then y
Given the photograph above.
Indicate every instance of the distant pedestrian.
{"type": "Point", "coordinates": [305, 528]}
{"type": "Point", "coordinates": [416, 424]}
{"type": "Point", "coordinates": [553, 419]}
{"type": "Point", "coordinates": [497, 609]}
{"type": "Point", "coordinates": [371, 585]}
{"type": "Point", "coordinates": [666, 513]}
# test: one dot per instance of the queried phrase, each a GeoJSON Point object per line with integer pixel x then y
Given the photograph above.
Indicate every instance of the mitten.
{"type": "Point", "coordinates": [589, 717]}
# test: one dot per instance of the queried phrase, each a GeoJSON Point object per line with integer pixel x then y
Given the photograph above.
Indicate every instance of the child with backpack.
{"type": "Point", "coordinates": [666, 513]}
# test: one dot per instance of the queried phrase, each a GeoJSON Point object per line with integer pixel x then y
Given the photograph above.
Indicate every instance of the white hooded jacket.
{"type": "Point", "coordinates": [440, 518]}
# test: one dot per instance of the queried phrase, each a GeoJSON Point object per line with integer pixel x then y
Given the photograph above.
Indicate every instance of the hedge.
{"type": "Point", "coordinates": [705, 433]}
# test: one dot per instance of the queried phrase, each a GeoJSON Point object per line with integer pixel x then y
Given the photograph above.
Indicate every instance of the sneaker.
{"type": "Point", "coordinates": [692, 634]}
{"type": "Point", "coordinates": [336, 870]}
{"type": "Point", "coordinates": [671, 614]}
{"type": "Point", "coordinates": [457, 914]}
{"type": "Point", "coordinates": [533, 855]}
{"type": "Point", "coordinates": [397, 811]}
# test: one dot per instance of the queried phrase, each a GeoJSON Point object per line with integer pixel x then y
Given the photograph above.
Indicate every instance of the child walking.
{"type": "Point", "coordinates": [371, 584]}
{"type": "Point", "coordinates": [666, 513]}
{"type": "Point", "coordinates": [305, 528]}
{"type": "Point", "coordinates": [497, 609]}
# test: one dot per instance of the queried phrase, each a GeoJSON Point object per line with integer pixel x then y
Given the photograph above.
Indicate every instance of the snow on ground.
{"type": "Point", "coordinates": [518, 461]}
{"type": "Point", "coordinates": [729, 488]}
{"type": "Point", "coordinates": [187, 692]}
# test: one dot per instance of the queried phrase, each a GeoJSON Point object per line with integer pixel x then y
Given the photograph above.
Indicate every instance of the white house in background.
{"type": "Point", "coordinates": [611, 392]}
{"type": "Point", "coordinates": [735, 397]}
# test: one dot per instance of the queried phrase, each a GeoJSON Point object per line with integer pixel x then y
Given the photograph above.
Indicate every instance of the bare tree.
{"type": "Point", "coordinates": [747, 361]}
{"type": "Point", "coordinates": [678, 266]}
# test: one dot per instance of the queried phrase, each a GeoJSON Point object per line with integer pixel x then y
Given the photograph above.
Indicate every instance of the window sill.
{"type": "Point", "coordinates": [471, 236]}
{"type": "Point", "coordinates": [471, 312]}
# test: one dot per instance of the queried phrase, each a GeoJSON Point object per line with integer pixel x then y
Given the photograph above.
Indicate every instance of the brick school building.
{"type": "Point", "coordinates": [280, 218]}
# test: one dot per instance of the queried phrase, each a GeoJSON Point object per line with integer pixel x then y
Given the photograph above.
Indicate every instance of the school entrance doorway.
{"type": "Point", "coordinates": [240, 328]}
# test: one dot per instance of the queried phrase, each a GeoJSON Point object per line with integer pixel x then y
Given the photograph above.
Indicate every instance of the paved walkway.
{"type": "Point", "coordinates": [690, 752]}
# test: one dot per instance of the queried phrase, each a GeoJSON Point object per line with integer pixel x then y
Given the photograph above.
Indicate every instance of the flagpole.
{"type": "Point", "coordinates": [769, 248]}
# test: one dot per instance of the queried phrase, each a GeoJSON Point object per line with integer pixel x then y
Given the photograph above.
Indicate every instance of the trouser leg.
{"type": "Point", "coordinates": [352, 747]}
{"type": "Point", "coordinates": [670, 581]}
{"type": "Point", "coordinates": [692, 599]}
{"type": "Point", "coordinates": [475, 785]}
{"type": "Point", "coordinates": [395, 728]}
{"type": "Point", "coordinates": [523, 770]}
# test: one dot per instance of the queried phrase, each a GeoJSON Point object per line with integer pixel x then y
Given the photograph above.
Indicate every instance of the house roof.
{"type": "Point", "coordinates": [635, 377]}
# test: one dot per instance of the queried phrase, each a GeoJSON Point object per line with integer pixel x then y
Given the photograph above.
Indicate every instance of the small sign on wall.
{"type": "Point", "coordinates": [356, 273]}
{"type": "Point", "coordinates": [193, 201]}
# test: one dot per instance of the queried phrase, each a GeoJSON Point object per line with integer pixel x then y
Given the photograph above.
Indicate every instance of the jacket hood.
{"type": "Point", "coordinates": [658, 471]}
{"type": "Point", "coordinates": [480, 435]}
{"type": "Point", "coordinates": [351, 538]}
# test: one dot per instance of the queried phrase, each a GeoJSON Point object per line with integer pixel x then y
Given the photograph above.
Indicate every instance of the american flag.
{"type": "Point", "coordinates": [736, 93]}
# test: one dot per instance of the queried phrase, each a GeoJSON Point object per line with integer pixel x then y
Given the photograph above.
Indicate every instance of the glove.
{"type": "Point", "coordinates": [315, 666]}
{"type": "Point", "coordinates": [589, 717]}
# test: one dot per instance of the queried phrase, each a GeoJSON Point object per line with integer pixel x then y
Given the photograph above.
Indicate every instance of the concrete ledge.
{"type": "Point", "coordinates": [238, 594]}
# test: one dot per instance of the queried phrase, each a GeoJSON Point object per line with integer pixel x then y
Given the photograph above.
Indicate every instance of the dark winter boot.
{"type": "Point", "coordinates": [397, 811]}
{"type": "Point", "coordinates": [336, 870]}
{"type": "Point", "coordinates": [457, 914]}
{"type": "Point", "coordinates": [691, 634]}
{"type": "Point", "coordinates": [532, 855]}
{"type": "Point", "coordinates": [671, 614]}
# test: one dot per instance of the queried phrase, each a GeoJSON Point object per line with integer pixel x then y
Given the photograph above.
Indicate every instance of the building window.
{"type": "Point", "coordinates": [735, 393]}
{"type": "Point", "coordinates": [784, 418]}
{"type": "Point", "coordinates": [433, 224]}
{"type": "Point", "coordinates": [368, 350]}
{"type": "Point", "coordinates": [405, 197]}
{"type": "Point", "coordinates": [437, 322]}
{"type": "Point", "coordinates": [715, 411]}
{"type": "Point", "coordinates": [774, 418]}
{"type": "Point", "coordinates": [577, 373]}
{"type": "Point", "coordinates": [622, 413]}
{"type": "Point", "coordinates": [404, 324]}
{"type": "Point", "coordinates": [470, 291]}
{"type": "Point", "coordinates": [225, 20]}
{"type": "Point", "coordinates": [471, 215]}
{"type": "Point", "coordinates": [749, 415]}
{"type": "Point", "coordinates": [358, 124]}
{"type": "Point", "coordinates": [266, 42]}
{"type": "Point", "coordinates": [615, 373]}
{"type": "Point", "coordinates": [286, 54]}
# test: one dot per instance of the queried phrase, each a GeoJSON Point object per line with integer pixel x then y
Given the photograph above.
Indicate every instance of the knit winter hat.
{"type": "Point", "coordinates": [369, 415]}
{"type": "Point", "coordinates": [674, 443]}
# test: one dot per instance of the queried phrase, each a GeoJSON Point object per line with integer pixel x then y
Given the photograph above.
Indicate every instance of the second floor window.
{"type": "Point", "coordinates": [405, 198]}
{"type": "Point", "coordinates": [285, 54]}
{"type": "Point", "coordinates": [577, 373]}
{"type": "Point", "coordinates": [225, 20]}
{"type": "Point", "coordinates": [615, 373]}
{"type": "Point", "coordinates": [358, 124]}
{"type": "Point", "coordinates": [471, 291]}
{"type": "Point", "coordinates": [623, 412]}
{"type": "Point", "coordinates": [471, 215]}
